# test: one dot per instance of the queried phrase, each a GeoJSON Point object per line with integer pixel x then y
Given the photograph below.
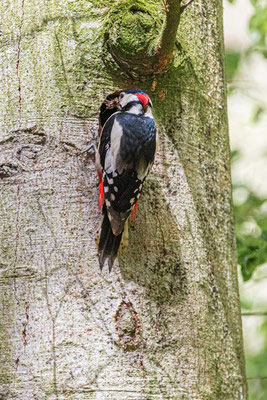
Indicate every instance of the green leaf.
{"type": "Point", "coordinates": [235, 154]}
{"type": "Point", "coordinates": [258, 26]}
{"type": "Point", "coordinates": [251, 230]}
{"type": "Point", "coordinates": [257, 113]}
{"type": "Point", "coordinates": [252, 252]}
{"type": "Point", "coordinates": [232, 60]}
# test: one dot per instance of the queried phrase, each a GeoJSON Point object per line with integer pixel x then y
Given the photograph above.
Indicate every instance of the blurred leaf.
{"type": "Point", "coordinates": [246, 304]}
{"type": "Point", "coordinates": [256, 367]}
{"type": "Point", "coordinates": [257, 114]}
{"type": "Point", "coordinates": [231, 1]}
{"type": "Point", "coordinates": [251, 246]}
{"type": "Point", "coordinates": [258, 26]}
{"type": "Point", "coordinates": [232, 59]}
{"type": "Point", "coordinates": [235, 154]}
{"type": "Point", "coordinates": [252, 252]}
{"type": "Point", "coordinates": [230, 90]}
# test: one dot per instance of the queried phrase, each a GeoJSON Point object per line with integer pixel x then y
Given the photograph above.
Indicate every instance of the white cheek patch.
{"type": "Point", "coordinates": [127, 98]}
{"type": "Point", "coordinates": [136, 109]}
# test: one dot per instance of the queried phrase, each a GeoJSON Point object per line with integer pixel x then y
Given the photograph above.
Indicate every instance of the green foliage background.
{"type": "Point", "coordinates": [252, 246]}
{"type": "Point", "coordinates": [251, 219]}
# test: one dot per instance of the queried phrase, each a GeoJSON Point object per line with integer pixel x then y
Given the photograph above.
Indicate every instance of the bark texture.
{"type": "Point", "coordinates": [165, 324]}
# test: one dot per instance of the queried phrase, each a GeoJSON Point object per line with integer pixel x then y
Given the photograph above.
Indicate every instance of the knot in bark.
{"type": "Point", "coordinates": [131, 34]}
{"type": "Point", "coordinates": [127, 325]}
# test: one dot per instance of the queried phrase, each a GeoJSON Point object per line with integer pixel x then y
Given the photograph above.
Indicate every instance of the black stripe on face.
{"type": "Point", "coordinates": [132, 104]}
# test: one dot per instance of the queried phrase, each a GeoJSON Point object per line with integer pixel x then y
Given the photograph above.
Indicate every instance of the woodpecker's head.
{"type": "Point", "coordinates": [135, 101]}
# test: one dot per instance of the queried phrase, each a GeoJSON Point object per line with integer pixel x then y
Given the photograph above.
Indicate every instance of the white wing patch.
{"type": "Point", "coordinates": [110, 169]}
{"type": "Point", "coordinates": [113, 151]}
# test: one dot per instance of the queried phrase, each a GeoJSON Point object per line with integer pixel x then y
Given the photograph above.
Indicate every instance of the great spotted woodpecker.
{"type": "Point", "coordinates": [126, 151]}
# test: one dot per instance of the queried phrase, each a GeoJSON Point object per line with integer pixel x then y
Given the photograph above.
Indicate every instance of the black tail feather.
{"type": "Point", "coordinates": [108, 243]}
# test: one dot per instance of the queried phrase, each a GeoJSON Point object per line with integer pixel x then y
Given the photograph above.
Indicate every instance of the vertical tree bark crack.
{"type": "Point", "coordinates": [63, 66]}
{"type": "Point", "coordinates": [18, 54]}
{"type": "Point", "coordinates": [16, 242]}
{"type": "Point", "coordinates": [25, 324]}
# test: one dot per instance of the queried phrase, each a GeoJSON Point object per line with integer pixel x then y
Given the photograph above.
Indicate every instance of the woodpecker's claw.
{"type": "Point", "coordinates": [89, 150]}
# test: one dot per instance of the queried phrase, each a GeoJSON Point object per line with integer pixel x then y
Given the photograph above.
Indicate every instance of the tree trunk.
{"type": "Point", "coordinates": [165, 323]}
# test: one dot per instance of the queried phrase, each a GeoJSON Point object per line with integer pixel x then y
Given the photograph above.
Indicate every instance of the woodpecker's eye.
{"type": "Point", "coordinates": [121, 95]}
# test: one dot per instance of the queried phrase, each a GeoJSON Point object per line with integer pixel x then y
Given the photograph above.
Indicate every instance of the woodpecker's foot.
{"type": "Point", "coordinates": [90, 150]}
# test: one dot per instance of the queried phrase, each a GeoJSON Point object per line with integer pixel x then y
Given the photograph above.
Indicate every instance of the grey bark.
{"type": "Point", "coordinates": [165, 324]}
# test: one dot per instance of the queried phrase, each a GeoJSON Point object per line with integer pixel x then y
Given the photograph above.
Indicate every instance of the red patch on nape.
{"type": "Point", "coordinates": [101, 196]}
{"type": "Point", "coordinates": [134, 212]}
{"type": "Point", "coordinates": [143, 98]}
